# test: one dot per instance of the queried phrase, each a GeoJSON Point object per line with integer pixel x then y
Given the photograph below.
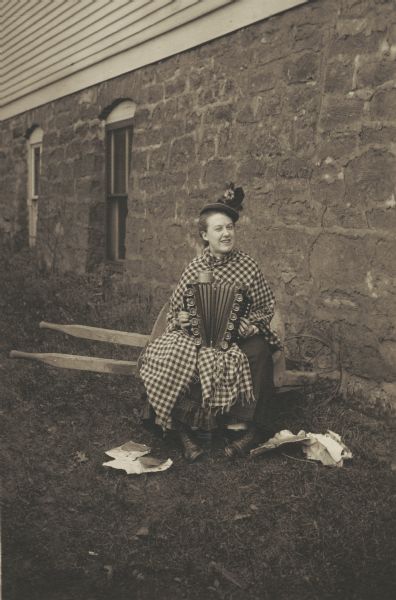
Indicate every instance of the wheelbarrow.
{"type": "Point", "coordinates": [305, 362]}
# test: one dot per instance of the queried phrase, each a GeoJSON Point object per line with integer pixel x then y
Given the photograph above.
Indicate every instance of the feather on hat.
{"type": "Point", "coordinates": [230, 203]}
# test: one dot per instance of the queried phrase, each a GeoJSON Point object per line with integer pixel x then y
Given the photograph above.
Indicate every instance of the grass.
{"type": "Point", "coordinates": [274, 527]}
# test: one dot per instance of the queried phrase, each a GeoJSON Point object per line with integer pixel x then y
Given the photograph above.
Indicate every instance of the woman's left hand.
{"type": "Point", "coordinates": [246, 329]}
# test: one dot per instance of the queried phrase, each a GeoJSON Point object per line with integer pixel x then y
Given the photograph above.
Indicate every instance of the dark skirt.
{"type": "Point", "coordinates": [188, 409]}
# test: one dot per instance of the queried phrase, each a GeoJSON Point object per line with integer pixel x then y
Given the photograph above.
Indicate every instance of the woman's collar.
{"type": "Point", "coordinates": [214, 261]}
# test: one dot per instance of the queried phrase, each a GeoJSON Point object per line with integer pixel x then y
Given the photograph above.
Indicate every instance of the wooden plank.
{"type": "Point", "coordinates": [125, 338]}
{"type": "Point", "coordinates": [80, 363]}
{"type": "Point", "coordinates": [300, 378]}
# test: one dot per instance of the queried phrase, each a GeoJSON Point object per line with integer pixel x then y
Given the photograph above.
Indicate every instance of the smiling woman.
{"type": "Point", "coordinates": [219, 233]}
{"type": "Point", "coordinates": [193, 383]}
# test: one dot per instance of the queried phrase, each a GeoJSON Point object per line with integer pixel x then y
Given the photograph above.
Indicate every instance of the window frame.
{"type": "Point", "coordinates": [117, 202]}
{"type": "Point", "coordinates": [34, 143]}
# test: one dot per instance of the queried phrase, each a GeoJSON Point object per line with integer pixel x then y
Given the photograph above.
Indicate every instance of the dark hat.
{"type": "Point", "coordinates": [230, 203]}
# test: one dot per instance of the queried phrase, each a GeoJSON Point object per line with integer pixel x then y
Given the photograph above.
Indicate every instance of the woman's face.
{"type": "Point", "coordinates": [220, 234]}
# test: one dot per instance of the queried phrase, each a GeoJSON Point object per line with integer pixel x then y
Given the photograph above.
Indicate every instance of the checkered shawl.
{"type": "Point", "coordinates": [172, 361]}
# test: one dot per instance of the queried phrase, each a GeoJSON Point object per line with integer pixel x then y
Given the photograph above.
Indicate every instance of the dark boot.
{"type": "Point", "coordinates": [191, 450]}
{"type": "Point", "coordinates": [243, 445]}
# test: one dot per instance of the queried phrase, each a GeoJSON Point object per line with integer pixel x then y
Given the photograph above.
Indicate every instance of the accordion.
{"type": "Point", "coordinates": [215, 310]}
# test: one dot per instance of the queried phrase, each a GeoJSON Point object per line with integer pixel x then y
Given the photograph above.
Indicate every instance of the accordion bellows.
{"type": "Point", "coordinates": [215, 311]}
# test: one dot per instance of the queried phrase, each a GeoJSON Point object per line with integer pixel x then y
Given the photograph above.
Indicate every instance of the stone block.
{"type": "Point", "coordinates": [186, 103]}
{"type": "Point", "coordinates": [370, 178]}
{"type": "Point", "coordinates": [352, 9]}
{"type": "Point", "coordinates": [247, 112]}
{"type": "Point", "coordinates": [382, 106]}
{"type": "Point", "coordinates": [269, 104]}
{"type": "Point", "coordinates": [361, 43]}
{"type": "Point", "coordinates": [168, 68]}
{"type": "Point", "coordinates": [219, 170]}
{"type": "Point", "coordinates": [265, 142]}
{"type": "Point", "coordinates": [264, 241]}
{"type": "Point", "coordinates": [252, 167]}
{"type": "Point", "coordinates": [164, 112]}
{"type": "Point", "coordinates": [360, 352]}
{"type": "Point", "coordinates": [209, 94]}
{"type": "Point", "coordinates": [66, 135]}
{"type": "Point", "coordinates": [193, 121]}
{"type": "Point", "coordinates": [231, 53]}
{"type": "Point", "coordinates": [295, 168]}
{"type": "Point", "coordinates": [158, 158]}
{"type": "Point", "coordinates": [51, 138]}
{"type": "Point", "coordinates": [139, 161]}
{"type": "Point", "coordinates": [341, 112]}
{"type": "Point", "coordinates": [347, 217]}
{"type": "Point", "coordinates": [384, 264]}
{"type": "Point", "coordinates": [175, 87]}
{"type": "Point", "coordinates": [84, 165]}
{"type": "Point", "coordinates": [142, 118]}
{"type": "Point", "coordinates": [160, 206]}
{"type": "Point", "coordinates": [295, 204]}
{"type": "Point", "coordinates": [375, 73]}
{"type": "Point", "coordinates": [302, 68]}
{"type": "Point", "coordinates": [308, 36]}
{"type": "Point", "coordinates": [339, 262]}
{"type": "Point", "coordinates": [148, 75]}
{"type": "Point", "coordinates": [387, 350]}
{"type": "Point", "coordinates": [382, 218]}
{"type": "Point", "coordinates": [262, 78]}
{"type": "Point", "coordinates": [300, 138]}
{"type": "Point", "coordinates": [338, 145]}
{"type": "Point", "coordinates": [152, 94]}
{"type": "Point", "coordinates": [197, 78]}
{"type": "Point", "coordinates": [182, 153]}
{"type": "Point", "coordinates": [147, 137]}
{"type": "Point", "coordinates": [302, 99]}
{"type": "Point", "coordinates": [17, 132]}
{"type": "Point", "coordinates": [377, 134]}
{"type": "Point", "coordinates": [206, 149]}
{"type": "Point", "coordinates": [219, 115]}
{"type": "Point", "coordinates": [173, 129]}
{"type": "Point", "coordinates": [339, 75]}
{"type": "Point", "coordinates": [274, 43]}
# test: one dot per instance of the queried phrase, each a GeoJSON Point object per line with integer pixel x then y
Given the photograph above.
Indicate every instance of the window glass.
{"type": "Point", "coordinates": [36, 170]}
{"type": "Point", "coordinates": [118, 152]}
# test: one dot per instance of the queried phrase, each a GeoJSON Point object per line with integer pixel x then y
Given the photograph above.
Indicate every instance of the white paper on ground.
{"type": "Point", "coordinates": [139, 465]}
{"type": "Point", "coordinates": [129, 450]}
{"type": "Point", "coordinates": [282, 437]}
{"type": "Point", "coordinates": [327, 448]}
{"type": "Point", "coordinates": [131, 458]}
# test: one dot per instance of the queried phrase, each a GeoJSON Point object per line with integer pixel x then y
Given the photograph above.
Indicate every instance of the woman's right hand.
{"type": "Point", "coordinates": [183, 318]}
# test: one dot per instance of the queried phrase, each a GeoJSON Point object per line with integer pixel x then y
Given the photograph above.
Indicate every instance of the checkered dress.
{"type": "Point", "coordinates": [172, 361]}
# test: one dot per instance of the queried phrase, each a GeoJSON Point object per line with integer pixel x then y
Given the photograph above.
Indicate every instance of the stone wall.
{"type": "Point", "coordinates": [300, 110]}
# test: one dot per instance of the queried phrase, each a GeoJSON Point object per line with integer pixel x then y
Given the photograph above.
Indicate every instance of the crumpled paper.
{"type": "Point", "coordinates": [327, 448]}
{"type": "Point", "coordinates": [131, 458]}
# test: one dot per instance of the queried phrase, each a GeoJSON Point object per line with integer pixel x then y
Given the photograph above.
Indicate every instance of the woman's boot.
{"type": "Point", "coordinates": [191, 450]}
{"type": "Point", "coordinates": [243, 445]}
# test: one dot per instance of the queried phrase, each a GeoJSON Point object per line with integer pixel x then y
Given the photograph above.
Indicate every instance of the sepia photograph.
{"type": "Point", "coordinates": [198, 299]}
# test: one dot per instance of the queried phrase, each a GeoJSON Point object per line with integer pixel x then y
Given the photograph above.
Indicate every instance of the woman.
{"type": "Point", "coordinates": [191, 387]}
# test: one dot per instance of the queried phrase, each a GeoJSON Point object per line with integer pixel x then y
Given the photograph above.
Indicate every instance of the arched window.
{"type": "Point", "coordinates": [34, 150]}
{"type": "Point", "coordinates": [119, 129]}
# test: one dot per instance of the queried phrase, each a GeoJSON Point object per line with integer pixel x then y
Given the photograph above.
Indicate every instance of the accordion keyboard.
{"type": "Point", "coordinates": [215, 312]}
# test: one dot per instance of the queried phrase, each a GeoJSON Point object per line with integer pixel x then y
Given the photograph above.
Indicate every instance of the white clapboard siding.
{"type": "Point", "coordinates": [49, 48]}
{"type": "Point", "coordinates": [52, 39]}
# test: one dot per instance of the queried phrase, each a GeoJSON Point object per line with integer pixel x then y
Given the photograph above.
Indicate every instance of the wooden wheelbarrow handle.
{"type": "Point", "coordinates": [81, 363]}
{"type": "Point", "coordinates": [112, 336]}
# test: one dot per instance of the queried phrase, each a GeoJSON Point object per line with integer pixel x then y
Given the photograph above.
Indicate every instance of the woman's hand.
{"type": "Point", "coordinates": [183, 318]}
{"type": "Point", "coordinates": [246, 329]}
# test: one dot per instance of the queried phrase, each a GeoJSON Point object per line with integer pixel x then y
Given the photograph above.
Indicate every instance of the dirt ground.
{"type": "Point", "coordinates": [274, 527]}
